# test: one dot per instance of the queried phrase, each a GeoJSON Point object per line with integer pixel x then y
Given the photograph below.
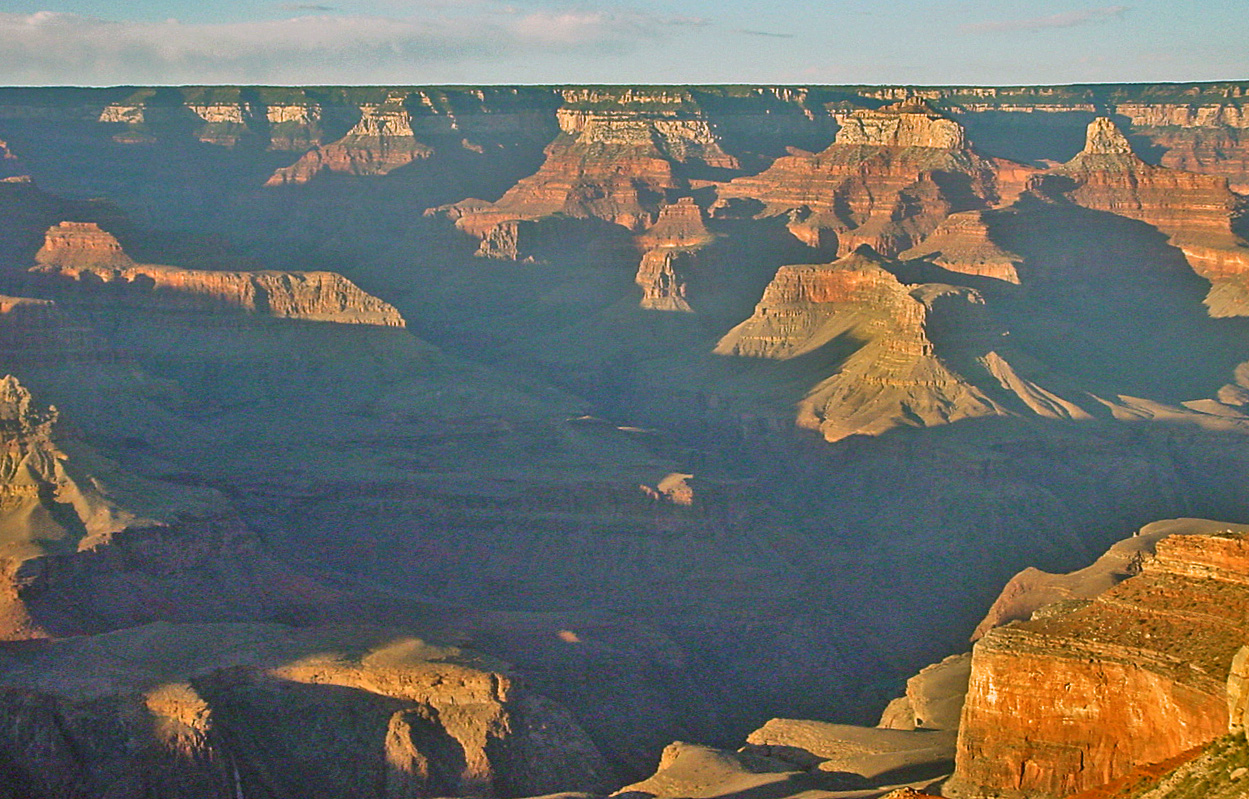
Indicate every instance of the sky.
{"type": "Point", "coordinates": [415, 42]}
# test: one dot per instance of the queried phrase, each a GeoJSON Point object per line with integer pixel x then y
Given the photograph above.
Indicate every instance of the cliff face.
{"type": "Point", "coordinates": [963, 243]}
{"type": "Point", "coordinates": [900, 355]}
{"type": "Point", "coordinates": [219, 710]}
{"type": "Point", "coordinates": [890, 374]}
{"type": "Point", "coordinates": [87, 257]}
{"type": "Point", "coordinates": [1045, 713]}
{"type": "Point", "coordinates": [88, 546]}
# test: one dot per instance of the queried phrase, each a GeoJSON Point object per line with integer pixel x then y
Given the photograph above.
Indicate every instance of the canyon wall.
{"type": "Point", "coordinates": [1089, 689]}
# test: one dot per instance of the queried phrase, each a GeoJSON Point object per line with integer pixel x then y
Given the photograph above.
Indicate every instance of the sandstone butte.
{"type": "Point", "coordinates": [888, 180]}
{"type": "Point", "coordinates": [87, 256]}
{"type": "Point", "coordinates": [614, 164]}
{"type": "Point", "coordinates": [1088, 690]}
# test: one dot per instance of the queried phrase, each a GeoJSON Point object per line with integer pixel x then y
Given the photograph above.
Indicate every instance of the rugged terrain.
{"type": "Point", "coordinates": [696, 406]}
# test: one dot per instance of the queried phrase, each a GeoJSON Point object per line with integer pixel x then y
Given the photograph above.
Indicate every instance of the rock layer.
{"type": "Point", "coordinates": [671, 258]}
{"type": "Point", "coordinates": [615, 159]}
{"type": "Point", "coordinates": [381, 142]}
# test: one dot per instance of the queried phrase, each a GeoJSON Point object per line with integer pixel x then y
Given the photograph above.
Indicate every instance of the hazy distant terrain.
{"type": "Point", "coordinates": [419, 441]}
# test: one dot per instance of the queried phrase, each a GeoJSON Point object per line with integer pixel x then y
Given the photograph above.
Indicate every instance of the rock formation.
{"type": "Point", "coordinates": [1026, 375]}
{"type": "Point", "coordinates": [670, 257]}
{"type": "Point", "coordinates": [889, 373]}
{"type": "Point", "coordinates": [888, 180]}
{"type": "Point", "coordinates": [615, 159]}
{"type": "Point", "coordinates": [222, 710]}
{"type": "Point", "coordinates": [792, 758]}
{"type": "Point", "coordinates": [963, 243]}
{"type": "Point", "coordinates": [934, 697]}
{"type": "Point", "coordinates": [875, 754]}
{"type": "Point", "coordinates": [1194, 211]}
{"type": "Point", "coordinates": [1033, 589]}
{"type": "Point", "coordinates": [88, 546]}
{"type": "Point", "coordinates": [1040, 720]}
{"type": "Point", "coordinates": [381, 142]}
{"type": "Point", "coordinates": [85, 255]}
{"type": "Point", "coordinates": [1208, 138]}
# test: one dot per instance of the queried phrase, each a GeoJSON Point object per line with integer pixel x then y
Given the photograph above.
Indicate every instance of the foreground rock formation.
{"type": "Point", "coordinates": [1039, 719]}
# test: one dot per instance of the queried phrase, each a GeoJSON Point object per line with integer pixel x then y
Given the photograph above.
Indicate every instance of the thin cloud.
{"type": "Point", "coordinates": [305, 7]}
{"type": "Point", "coordinates": [768, 34]}
{"type": "Point", "coordinates": [1067, 19]}
{"type": "Point", "coordinates": [48, 48]}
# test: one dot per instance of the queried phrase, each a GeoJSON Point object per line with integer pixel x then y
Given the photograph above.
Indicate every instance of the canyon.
{"type": "Point", "coordinates": [664, 441]}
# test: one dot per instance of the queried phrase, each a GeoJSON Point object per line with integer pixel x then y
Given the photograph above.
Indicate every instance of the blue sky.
{"type": "Point", "coordinates": [996, 42]}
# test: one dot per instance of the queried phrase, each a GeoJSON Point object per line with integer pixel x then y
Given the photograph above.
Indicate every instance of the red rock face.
{"type": "Point", "coordinates": [891, 373]}
{"type": "Point", "coordinates": [887, 181]}
{"type": "Point", "coordinates": [1087, 691]}
{"type": "Point", "coordinates": [1210, 139]}
{"type": "Point", "coordinates": [86, 255]}
{"type": "Point", "coordinates": [962, 243]}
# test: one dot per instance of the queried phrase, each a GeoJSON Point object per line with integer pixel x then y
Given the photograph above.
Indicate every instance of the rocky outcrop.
{"type": "Point", "coordinates": [294, 127]}
{"type": "Point", "coordinates": [10, 166]}
{"type": "Point", "coordinates": [934, 697]}
{"type": "Point", "coordinates": [1087, 690]}
{"type": "Point", "coordinates": [1033, 589]}
{"type": "Point", "coordinates": [910, 123]}
{"type": "Point", "coordinates": [1194, 211]}
{"type": "Point", "coordinates": [208, 711]}
{"type": "Point", "coordinates": [87, 546]}
{"type": "Point", "coordinates": [889, 373]}
{"type": "Point", "coordinates": [81, 245]}
{"type": "Point", "coordinates": [963, 243]}
{"type": "Point", "coordinates": [381, 142]}
{"type": "Point", "coordinates": [1206, 138]}
{"type": "Point", "coordinates": [670, 258]}
{"type": "Point", "coordinates": [888, 180]}
{"type": "Point", "coordinates": [82, 256]}
{"type": "Point", "coordinates": [874, 754]}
